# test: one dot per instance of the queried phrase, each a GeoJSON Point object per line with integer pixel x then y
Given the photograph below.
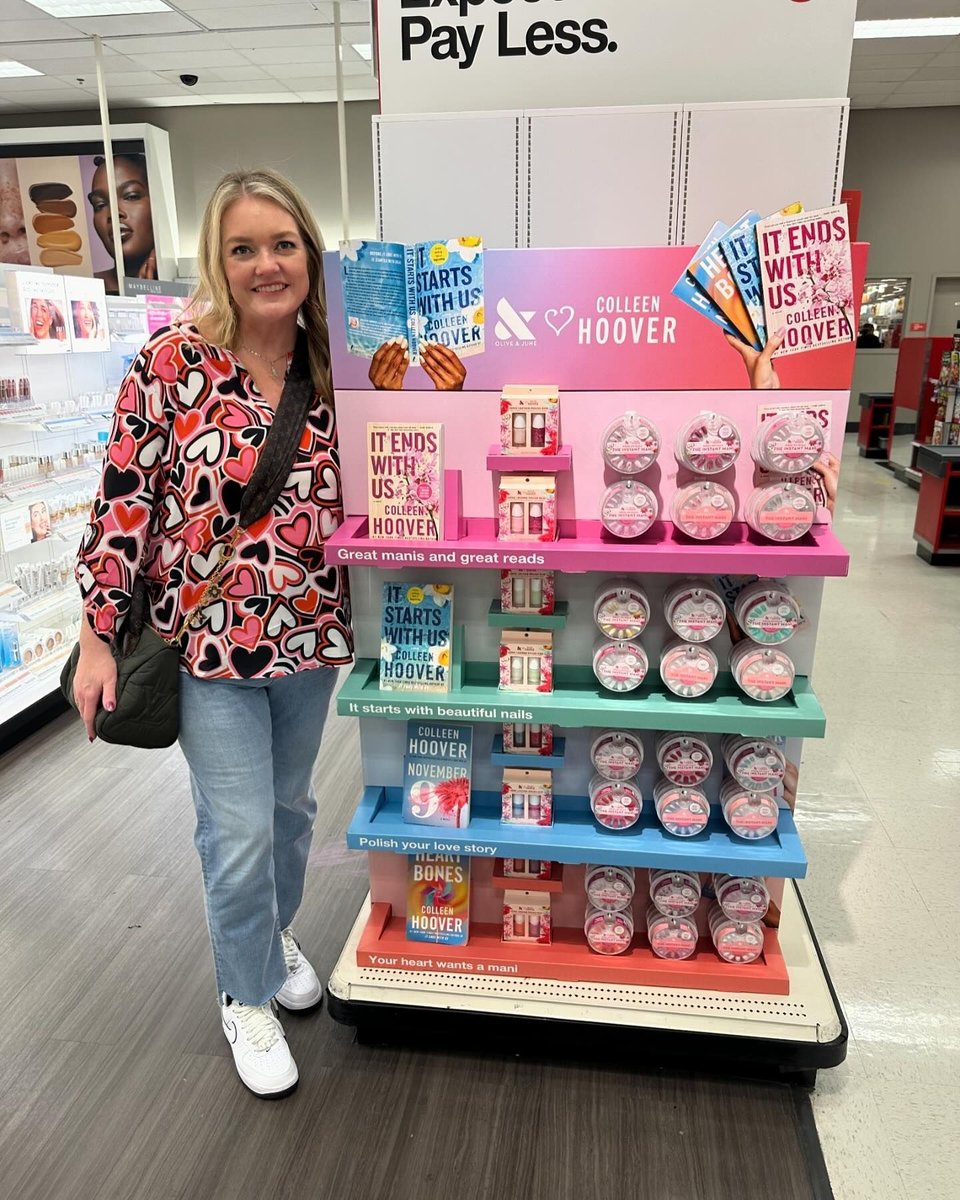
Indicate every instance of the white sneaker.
{"type": "Point", "coordinates": [260, 1051]}
{"type": "Point", "coordinates": [302, 989]}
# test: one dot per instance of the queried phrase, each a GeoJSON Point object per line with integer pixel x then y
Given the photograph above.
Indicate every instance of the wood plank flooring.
{"type": "Point", "coordinates": [116, 1082]}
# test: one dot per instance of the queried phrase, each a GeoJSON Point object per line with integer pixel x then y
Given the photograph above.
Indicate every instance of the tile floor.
{"type": "Point", "coordinates": [877, 800]}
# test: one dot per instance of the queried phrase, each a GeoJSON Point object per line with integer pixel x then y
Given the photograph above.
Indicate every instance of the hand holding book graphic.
{"type": "Point", "coordinates": [388, 367]}
{"type": "Point", "coordinates": [759, 363]}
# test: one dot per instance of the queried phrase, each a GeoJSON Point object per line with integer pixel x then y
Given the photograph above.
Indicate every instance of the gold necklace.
{"type": "Point", "coordinates": [288, 354]}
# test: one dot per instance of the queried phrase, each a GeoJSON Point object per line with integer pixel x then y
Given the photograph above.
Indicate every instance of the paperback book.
{"type": "Point", "coordinates": [710, 270]}
{"type": "Point", "coordinates": [436, 774]}
{"type": "Point", "coordinates": [405, 481]}
{"type": "Point", "coordinates": [426, 291]}
{"type": "Point", "coordinates": [739, 246]}
{"type": "Point", "coordinates": [416, 637]}
{"type": "Point", "coordinates": [438, 899]}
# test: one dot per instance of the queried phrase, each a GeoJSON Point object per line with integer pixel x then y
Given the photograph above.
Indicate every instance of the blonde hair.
{"type": "Point", "coordinates": [212, 301]}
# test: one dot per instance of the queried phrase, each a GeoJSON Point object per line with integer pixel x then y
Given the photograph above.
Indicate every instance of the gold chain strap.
{"type": "Point", "coordinates": [212, 591]}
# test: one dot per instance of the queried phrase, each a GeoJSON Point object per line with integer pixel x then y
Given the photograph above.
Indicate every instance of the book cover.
{"type": "Point", "coordinates": [807, 276]}
{"type": "Point", "coordinates": [438, 899]}
{"type": "Point", "coordinates": [405, 481]}
{"type": "Point", "coordinates": [38, 306]}
{"type": "Point", "coordinates": [416, 637]}
{"type": "Point", "coordinates": [739, 246]}
{"type": "Point", "coordinates": [710, 270]}
{"type": "Point", "coordinates": [436, 774]}
{"type": "Point", "coordinates": [426, 291]}
{"type": "Point", "coordinates": [693, 296]}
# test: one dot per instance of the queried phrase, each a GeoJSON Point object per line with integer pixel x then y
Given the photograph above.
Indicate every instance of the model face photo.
{"type": "Point", "coordinates": [134, 212]}
{"type": "Point", "coordinates": [13, 226]}
{"type": "Point", "coordinates": [86, 319]}
{"type": "Point", "coordinates": [46, 321]}
{"type": "Point", "coordinates": [39, 521]}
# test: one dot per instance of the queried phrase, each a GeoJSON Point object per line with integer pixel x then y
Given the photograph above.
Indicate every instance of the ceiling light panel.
{"type": "Point", "coordinates": [16, 70]}
{"type": "Point", "coordinates": [99, 8]}
{"type": "Point", "coordinates": [911, 27]}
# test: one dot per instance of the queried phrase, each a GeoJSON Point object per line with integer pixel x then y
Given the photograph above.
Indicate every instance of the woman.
{"type": "Point", "coordinates": [86, 320]}
{"type": "Point", "coordinates": [134, 213]}
{"type": "Point", "coordinates": [259, 668]}
{"type": "Point", "coordinates": [44, 320]}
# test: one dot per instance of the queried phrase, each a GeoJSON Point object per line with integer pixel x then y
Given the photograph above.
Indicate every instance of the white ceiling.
{"type": "Point", "coordinates": [282, 51]}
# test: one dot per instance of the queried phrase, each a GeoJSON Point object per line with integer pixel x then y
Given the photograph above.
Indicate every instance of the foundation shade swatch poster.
{"type": "Point", "coordinates": [424, 292]}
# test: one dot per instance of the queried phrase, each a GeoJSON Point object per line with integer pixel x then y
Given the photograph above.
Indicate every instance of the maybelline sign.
{"type": "Point", "coordinates": [475, 55]}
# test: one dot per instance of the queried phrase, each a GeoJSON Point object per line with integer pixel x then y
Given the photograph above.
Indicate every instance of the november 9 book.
{"type": "Point", "coordinates": [416, 637]}
{"type": "Point", "coordinates": [807, 274]}
{"type": "Point", "coordinates": [405, 481]}
{"type": "Point", "coordinates": [426, 291]}
{"type": "Point", "coordinates": [436, 774]}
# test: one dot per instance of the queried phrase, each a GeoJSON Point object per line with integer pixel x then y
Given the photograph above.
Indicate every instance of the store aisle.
{"type": "Point", "coordinates": [878, 801]}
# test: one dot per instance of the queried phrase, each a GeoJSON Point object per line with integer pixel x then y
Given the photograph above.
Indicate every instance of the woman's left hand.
{"type": "Point", "coordinates": [759, 363]}
{"type": "Point", "coordinates": [442, 366]}
{"type": "Point", "coordinates": [148, 269]}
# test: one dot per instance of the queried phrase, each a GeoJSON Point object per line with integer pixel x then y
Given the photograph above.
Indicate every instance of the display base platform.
{"type": "Point", "coordinates": [787, 1037]}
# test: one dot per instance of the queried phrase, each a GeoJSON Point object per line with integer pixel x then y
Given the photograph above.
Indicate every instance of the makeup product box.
{"type": "Point", "coordinates": [528, 508]}
{"type": "Point", "coordinates": [438, 899]}
{"type": "Point", "coordinates": [527, 739]}
{"type": "Point", "coordinates": [526, 917]}
{"type": "Point", "coordinates": [530, 420]}
{"type": "Point", "coordinates": [527, 592]}
{"type": "Point", "coordinates": [526, 660]}
{"type": "Point", "coordinates": [527, 796]}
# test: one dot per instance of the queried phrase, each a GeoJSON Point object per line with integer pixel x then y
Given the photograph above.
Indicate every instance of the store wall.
{"type": "Point", "coordinates": [905, 161]}
{"type": "Point", "coordinates": [298, 139]}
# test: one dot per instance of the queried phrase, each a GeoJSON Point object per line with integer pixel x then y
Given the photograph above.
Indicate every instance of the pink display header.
{"type": "Point", "coordinates": [598, 319]}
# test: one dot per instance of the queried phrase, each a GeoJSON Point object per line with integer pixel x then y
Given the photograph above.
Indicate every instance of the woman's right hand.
{"type": "Point", "coordinates": [95, 680]}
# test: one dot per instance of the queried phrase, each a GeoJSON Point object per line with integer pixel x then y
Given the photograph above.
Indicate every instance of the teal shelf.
{"type": "Point", "coordinates": [520, 620]}
{"type": "Point", "coordinates": [548, 762]}
{"type": "Point", "coordinates": [575, 837]}
{"type": "Point", "coordinates": [578, 701]}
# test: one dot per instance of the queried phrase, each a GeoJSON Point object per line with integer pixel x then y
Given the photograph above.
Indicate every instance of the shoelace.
{"type": "Point", "coordinates": [260, 1026]}
{"type": "Point", "coordinates": [291, 951]}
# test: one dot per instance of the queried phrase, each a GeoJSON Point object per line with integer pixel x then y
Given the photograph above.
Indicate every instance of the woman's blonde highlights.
{"type": "Point", "coordinates": [212, 302]}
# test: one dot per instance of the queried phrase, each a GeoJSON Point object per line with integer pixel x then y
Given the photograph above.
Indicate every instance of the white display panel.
{"type": "Point", "coordinates": [760, 156]}
{"type": "Point", "coordinates": [447, 176]}
{"type": "Point", "coordinates": [623, 190]}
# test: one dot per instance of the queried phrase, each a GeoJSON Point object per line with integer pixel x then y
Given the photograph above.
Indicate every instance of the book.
{"type": "Point", "coordinates": [416, 637]}
{"type": "Point", "coordinates": [436, 774]}
{"type": "Point", "coordinates": [687, 290]}
{"type": "Point", "coordinates": [710, 270]}
{"type": "Point", "coordinates": [425, 291]}
{"type": "Point", "coordinates": [405, 481]}
{"type": "Point", "coordinates": [807, 275]}
{"type": "Point", "coordinates": [438, 899]}
{"type": "Point", "coordinates": [739, 246]}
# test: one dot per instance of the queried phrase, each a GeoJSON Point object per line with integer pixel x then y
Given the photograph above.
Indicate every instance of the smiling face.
{"type": "Point", "coordinates": [264, 260]}
{"type": "Point", "coordinates": [41, 319]}
{"type": "Point", "coordinates": [133, 203]}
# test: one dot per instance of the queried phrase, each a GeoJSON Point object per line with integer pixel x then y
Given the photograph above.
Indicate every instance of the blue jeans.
{"type": "Point", "coordinates": [251, 746]}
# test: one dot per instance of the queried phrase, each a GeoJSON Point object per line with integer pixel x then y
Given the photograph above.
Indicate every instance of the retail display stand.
{"type": "Point", "coordinates": [876, 424]}
{"type": "Point", "coordinates": [937, 527]}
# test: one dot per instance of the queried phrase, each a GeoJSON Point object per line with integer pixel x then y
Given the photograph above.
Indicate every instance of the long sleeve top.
{"type": "Point", "coordinates": [188, 426]}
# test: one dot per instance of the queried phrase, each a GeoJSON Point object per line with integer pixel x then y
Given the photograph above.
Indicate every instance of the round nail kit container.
{"type": "Point", "coordinates": [757, 764]}
{"type": "Point", "coordinates": [687, 670]}
{"type": "Point", "coordinates": [609, 889]}
{"type": "Point", "coordinates": [617, 754]}
{"type": "Point", "coordinates": [708, 444]}
{"type": "Point", "coordinates": [751, 815]}
{"type": "Point", "coordinates": [781, 512]}
{"type": "Point", "coordinates": [630, 444]}
{"type": "Point", "coordinates": [683, 811]}
{"type": "Point", "coordinates": [675, 893]}
{"type": "Point", "coordinates": [616, 805]}
{"type": "Point", "coordinates": [703, 510]}
{"type": "Point", "coordinates": [684, 758]}
{"type": "Point", "coordinates": [694, 611]}
{"type": "Point", "coordinates": [620, 666]}
{"type": "Point", "coordinates": [628, 508]}
{"type": "Point", "coordinates": [767, 612]}
{"type": "Point", "coordinates": [735, 941]}
{"type": "Point", "coordinates": [671, 937]}
{"type": "Point", "coordinates": [787, 443]}
{"type": "Point", "coordinates": [763, 673]}
{"type": "Point", "coordinates": [742, 897]}
{"type": "Point", "coordinates": [608, 932]}
{"type": "Point", "coordinates": [621, 609]}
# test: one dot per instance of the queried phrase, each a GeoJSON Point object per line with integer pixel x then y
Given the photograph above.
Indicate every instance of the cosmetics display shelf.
{"type": "Point", "coordinates": [520, 464]}
{"type": "Point", "coordinates": [585, 546]}
{"type": "Point", "coordinates": [551, 762]}
{"type": "Point", "coordinates": [579, 700]}
{"type": "Point", "coordinates": [526, 620]}
{"type": "Point", "coordinates": [575, 837]}
{"type": "Point", "coordinates": [504, 883]}
{"type": "Point", "coordinates": [792, 1036]}
{"type": "Point", "coordinates": [568, 957]}
{"type": "Point", "coordinates": [23, 688]}
{"type": "Point", "coordinates": [40, 422]}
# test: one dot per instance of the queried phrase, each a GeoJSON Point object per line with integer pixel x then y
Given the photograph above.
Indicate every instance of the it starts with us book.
{"type": "Point", "coordinates": [416, 637]}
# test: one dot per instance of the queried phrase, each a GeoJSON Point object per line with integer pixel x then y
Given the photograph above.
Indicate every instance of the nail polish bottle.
{"type": "Point", "coordinates": [516, 669]}
{"type": "Point", "coordinates": [536, 589]}
{"type": "Point", "coordinates": [518, 592]}
{"type": "Point", "coordinates": [538, 426]}
{"type": "Point", "coordinates": [536, 519]}
{"type": "Point", "coordinates": [533, 670]}
{"type": "Point", "coordinates": [516, 518]}
{"type": "Point", "coordinates": [519, 429]}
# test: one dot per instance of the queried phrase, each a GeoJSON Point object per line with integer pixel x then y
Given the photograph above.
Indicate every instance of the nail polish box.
{"type": "Point", "coordinates": [520, 738]}
{"type": "Point", "coordinates": [527, 508]}
{"type": "Point", "coordinates": [530, 420]}
{"type": "Point", "coordinates": [526, 660]}
{"type": "Point", "coordinates": [526, 917]}
{"type": "Point", "coordinates": [528, 592]}
{"type": "Point", "coordinates": [527, 797]}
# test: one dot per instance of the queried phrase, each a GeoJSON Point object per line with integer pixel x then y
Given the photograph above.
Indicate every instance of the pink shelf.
{"type": "Point", "coordinates": [586, 546]}
{"type": "Point", "coordinates": [524, 464]}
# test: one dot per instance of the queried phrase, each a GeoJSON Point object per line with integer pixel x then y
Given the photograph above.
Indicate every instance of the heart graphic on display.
{"type": "Point", "coordinates": [244, 583]}
{"type": "Point", "coordinates": [202, 492]}
{"type": "Point", "coordinates": [195, 534]}
{"type": "Point", "coordinates": [258, 552]}
{"type": "Point", "coordinates": [127, 517]}
{"type": "Point", "coordinates": [329, 522]}
{"type": "Point", "coordinates": [307, 604]}
{"type": "Point", "coordinates": [328, 581]}
{"type": "Point", "coordinates": [295, 532]}
{"type": "Point", "coordinates": [558, 318]}
{"type": "Point", "coordinates": [187, 424]}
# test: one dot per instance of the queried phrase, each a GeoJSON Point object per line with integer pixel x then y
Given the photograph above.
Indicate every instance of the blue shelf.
{"type": "Point", "coordinates": [576, 838]}
{"type": "Point", "coordinates": [552, 762]}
